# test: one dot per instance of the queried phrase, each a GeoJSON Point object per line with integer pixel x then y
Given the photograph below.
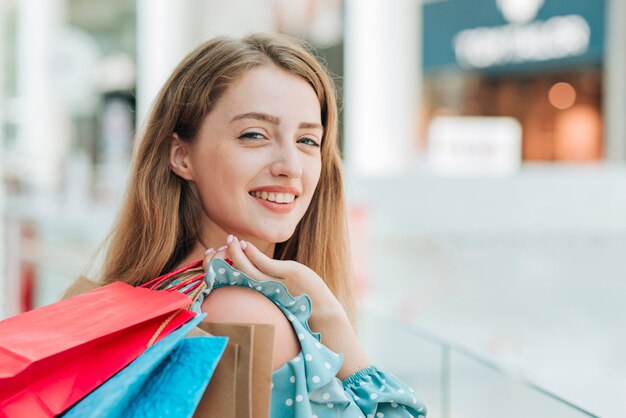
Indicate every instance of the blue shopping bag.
{"type": "Point", "coordinates": [168, 379]}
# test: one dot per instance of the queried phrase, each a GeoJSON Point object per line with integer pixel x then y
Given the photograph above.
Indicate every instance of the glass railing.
{"type": "Point", "coordinates": [453, 381]}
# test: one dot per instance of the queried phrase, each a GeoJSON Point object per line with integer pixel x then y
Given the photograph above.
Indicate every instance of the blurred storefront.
{"type": "Point", "coordinates": [538, 61]}
{"type": "Point", "coordinates": [67, 112]}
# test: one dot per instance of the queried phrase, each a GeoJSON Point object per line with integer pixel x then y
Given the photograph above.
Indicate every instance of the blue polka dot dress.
{"type": "Point", "coordinates": [307, 386]}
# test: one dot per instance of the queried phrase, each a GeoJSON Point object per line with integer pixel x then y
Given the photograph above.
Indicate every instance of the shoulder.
{"type": "Point", "coordinates": [244, 305]}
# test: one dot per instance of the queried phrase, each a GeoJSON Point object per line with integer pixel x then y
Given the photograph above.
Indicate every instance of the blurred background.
{"type": "Point", "coordinates": [485, 148]}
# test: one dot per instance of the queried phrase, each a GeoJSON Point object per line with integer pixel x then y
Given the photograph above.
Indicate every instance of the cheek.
{"type": "Point", "coordinates": [216, 164]}
{"type": "Point", "coordinates": [312, 179]}
{"type": "Point", "coordinates": [315, 170]}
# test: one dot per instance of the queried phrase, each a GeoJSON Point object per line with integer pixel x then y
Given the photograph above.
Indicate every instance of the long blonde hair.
{"type": "Point", "coordinates": [158, 222]}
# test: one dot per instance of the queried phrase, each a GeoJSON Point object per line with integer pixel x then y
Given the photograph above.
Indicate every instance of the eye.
{"type": "Point", "coordinates": [308, 141]}
{"type": "Point", "coordinates": [251, 135]}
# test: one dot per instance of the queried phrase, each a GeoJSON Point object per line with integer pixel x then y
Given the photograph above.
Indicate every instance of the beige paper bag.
{"type": "Point", "coordinates": [80, 285]}
{"type": "Point", "coordinates": [253, 373]}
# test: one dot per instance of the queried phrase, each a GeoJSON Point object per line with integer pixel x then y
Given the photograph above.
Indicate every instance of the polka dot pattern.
{"type": "Point", "coordinates": [307, 386]}
{"type": "Point", "coordinates": [381, 394]}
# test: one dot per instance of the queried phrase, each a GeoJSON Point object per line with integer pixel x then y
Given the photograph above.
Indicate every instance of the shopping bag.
{"type": "Point", "coordinates": [53, 356]}
{"type": "Point", "coordinates": [248, 354]}
{"type": "Point", "coordinates": [219, 398]}
{"type": "Point", "coordinates": [242, 382]}
{"type": "Point", "coordinates": [167, 379]}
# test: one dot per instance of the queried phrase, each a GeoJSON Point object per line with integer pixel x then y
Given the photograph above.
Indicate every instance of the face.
{"type": "Point", "coordinates": [256, 160]}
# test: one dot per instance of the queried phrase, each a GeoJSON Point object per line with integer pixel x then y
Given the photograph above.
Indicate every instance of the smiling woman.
{"type": "Point", "coordinates": [239, 160]}
{"type": "Point", "coordinates": [267, 140]}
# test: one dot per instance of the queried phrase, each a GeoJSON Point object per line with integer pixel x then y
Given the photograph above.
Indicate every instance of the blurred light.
{"type": "Point", "coordinates": [519, 11]}
{"type": "Point", "coordinates": [562, 95]}
{"type": "Point", "coordinates": [578, 134]}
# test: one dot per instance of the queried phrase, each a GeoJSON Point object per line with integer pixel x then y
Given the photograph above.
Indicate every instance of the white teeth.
{"type": "Point", "coordinates": [275, 197]}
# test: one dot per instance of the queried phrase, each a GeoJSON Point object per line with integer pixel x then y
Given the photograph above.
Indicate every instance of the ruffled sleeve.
{"type": "Point", "coordinates": [307, 385]}
{"type": "Point", "coordinates": [380, 394]}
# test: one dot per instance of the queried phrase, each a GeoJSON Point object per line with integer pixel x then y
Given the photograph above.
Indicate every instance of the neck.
{"type": "Point", "coordinates": [266, 248]}
{"type": "Point", "coordinates": [197, 251]}
{"type": "Point", "coordinates": [212, 235]}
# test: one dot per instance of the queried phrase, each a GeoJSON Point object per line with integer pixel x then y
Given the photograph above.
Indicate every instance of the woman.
{"type": "Point", "coordinates": [239, 160]}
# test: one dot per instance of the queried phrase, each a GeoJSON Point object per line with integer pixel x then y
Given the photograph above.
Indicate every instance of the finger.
{"type": "Point", "coordinates": [210, 254]}
{"type": "Point", "coordinates": [241, 261]}
{"type": "Point", "coordinates": [275, 268]}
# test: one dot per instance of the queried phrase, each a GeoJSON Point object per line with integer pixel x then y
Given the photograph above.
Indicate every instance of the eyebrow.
{"type": "Point", "coordinates": [275, 120]}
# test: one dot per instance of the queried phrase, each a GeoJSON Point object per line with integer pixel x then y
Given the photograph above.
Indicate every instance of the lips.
{"type": "Point", "coordinates": [274, 197]}
{"type": "Point", "coordinates": [278, 199]}
{"type": "Point", "coordinates": [276, 193]}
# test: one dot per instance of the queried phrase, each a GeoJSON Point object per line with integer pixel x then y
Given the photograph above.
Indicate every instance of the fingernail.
{"type": "Point", "coordinates": [243, 245]}
{"type": "Point", "coordinates": [209, 251]}
{"type": "Point", "coordinates": [229, 239]}
{"type": "Point", "coordinates": [222, 248]}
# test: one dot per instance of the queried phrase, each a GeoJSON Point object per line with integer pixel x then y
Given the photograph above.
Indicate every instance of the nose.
{"type": "Point", "coordinates": [286, 162]}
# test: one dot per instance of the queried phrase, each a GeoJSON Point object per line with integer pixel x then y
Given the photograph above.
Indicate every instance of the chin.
{"type": "Point", "coordinates": [275, 237]}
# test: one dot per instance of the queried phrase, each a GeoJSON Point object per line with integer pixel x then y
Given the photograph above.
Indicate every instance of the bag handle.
{"type": "Point", "coordinates": [190, 280]}
{"type": "Point", "coordinates": [153, 284]}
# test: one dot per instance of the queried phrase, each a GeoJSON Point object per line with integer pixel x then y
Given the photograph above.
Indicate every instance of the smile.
{"type": "Point", "coordinates": [274, 197]}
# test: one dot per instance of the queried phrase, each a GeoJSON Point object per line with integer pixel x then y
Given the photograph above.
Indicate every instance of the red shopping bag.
{"type": "Point", "coordinates": [52, 357]}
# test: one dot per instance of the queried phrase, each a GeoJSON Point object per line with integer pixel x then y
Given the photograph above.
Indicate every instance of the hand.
{"type": "Point", "coordinates": [297, 277]}
{"type": "Point", "coordinates": [327, 317]}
